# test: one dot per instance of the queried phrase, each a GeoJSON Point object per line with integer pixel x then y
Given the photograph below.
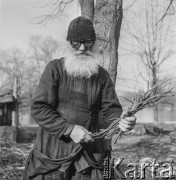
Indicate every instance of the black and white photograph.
{"type": "Point", "coordinates": [87, 89]}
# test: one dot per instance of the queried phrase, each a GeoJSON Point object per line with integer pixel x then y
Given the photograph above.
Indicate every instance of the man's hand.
{"type": "Point", "coordinates": [80, 134]}
{"type": "Point", "coordinates": [127, 123]}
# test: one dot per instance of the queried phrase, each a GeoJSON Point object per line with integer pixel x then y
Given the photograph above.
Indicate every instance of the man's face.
{"type": "Point", "coordinates": [82, 47]}
{"type": "Point", "coordinates": [80, 60]}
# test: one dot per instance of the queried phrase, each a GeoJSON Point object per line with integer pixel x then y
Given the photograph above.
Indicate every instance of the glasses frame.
{"type": "Point", "coordinates": [88, 44]}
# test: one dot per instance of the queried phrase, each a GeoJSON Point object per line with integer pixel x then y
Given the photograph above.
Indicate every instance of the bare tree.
{"type": "Point", "coordinates": [12, 65]}
{"type": "Point", "coordinates": [152, 42]}
{"type": "Point", "coordinates": [31, 81]}
{"type": "Point", "coordinates": [18, 72]}
{"type": "Point", "coordinates": [43, 50]}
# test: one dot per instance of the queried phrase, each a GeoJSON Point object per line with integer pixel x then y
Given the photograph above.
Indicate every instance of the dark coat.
{"type": "Point", "coordinates": [62, 101]}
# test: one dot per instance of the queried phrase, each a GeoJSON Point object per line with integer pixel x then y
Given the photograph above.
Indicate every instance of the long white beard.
{"type": "Point", "coordinates": [80, 65]}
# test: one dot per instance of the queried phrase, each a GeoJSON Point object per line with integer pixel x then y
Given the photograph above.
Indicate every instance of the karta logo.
{"type": "Point", "coordinates": [111, 166]}
{"type": "Point", "coordinates": [137, 171]}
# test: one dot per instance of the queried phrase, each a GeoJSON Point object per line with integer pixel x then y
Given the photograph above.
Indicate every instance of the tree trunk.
{"type": "Point", "coordinates": [154, 81]}
{"type": "Point", "coordinates": [16, 101]}
{"type": "Point", "coordinates": [155, 113]}
{"type": "Point", "coordinates": [107, 23]}
{"type": "Point", "coordinates": [114, 37]}
{"type": "Point", "coordinates": [87, 9]}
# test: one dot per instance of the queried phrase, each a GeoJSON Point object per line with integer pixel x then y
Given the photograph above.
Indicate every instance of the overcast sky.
{"type": "Point", "coordinates": [17, 23]}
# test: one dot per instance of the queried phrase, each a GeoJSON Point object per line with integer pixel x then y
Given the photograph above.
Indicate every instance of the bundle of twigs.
{"type": "Point", "coordinates": [146, 100]}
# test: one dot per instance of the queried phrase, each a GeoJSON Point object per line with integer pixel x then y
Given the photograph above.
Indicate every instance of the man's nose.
{"type": "Point", "coordinates": [82, 47]}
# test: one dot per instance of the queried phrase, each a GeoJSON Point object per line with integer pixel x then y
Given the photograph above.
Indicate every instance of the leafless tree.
{"type": "Point", "coordinates": [12, 65]}
{"type": "Point", "coordinates": [151, 42]}
{"type": "Point", "coordinates": [43, 50]}
{"type": "Point", "coordinates": [18, 70]}
{"type": "Point", "coordinates": [31, 79]}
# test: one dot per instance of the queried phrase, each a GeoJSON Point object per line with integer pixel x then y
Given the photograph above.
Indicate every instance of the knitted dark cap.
{"type": "Point", "coordinates": [81, 28]}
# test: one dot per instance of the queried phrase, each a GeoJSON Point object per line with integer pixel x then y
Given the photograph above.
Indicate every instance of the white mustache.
{"type": "Point", "coordinates": [83, 53]}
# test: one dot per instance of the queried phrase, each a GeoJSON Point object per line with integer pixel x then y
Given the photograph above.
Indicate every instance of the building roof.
{"type": "Point", "coordinates": [6, 98]}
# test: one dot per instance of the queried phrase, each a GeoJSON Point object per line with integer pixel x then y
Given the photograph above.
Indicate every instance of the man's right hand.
{"type": "Point", "coordinates": [80, 134]}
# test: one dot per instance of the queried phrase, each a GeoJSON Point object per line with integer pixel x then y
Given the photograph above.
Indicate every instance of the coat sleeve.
{"type": "Point", "coordinates": [45, 102]}
{"type": "Point", "coordinates": [110, 105]}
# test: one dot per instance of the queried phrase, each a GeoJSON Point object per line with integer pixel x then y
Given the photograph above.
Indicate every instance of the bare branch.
{"type": "Point", "coordinates": [166, 11]}
{"type": "Point", "coordinates": [166, 57]}
{"type": "Point", "coordinates": [57, 8]}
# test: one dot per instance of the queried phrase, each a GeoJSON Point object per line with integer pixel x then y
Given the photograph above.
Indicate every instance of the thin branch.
{"type": "Point", "coordinates": [165, 13]}
{"type": "Point", "coordinates": [57, 8]}
{"type": "Point", "coordinates": [166, 56]}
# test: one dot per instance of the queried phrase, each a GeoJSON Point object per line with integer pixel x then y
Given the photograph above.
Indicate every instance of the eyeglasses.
{"type": "Point", "coordinates": [88, 44]}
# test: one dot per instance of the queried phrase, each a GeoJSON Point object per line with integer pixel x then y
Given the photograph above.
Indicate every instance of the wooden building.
{"type": "Point", "coordinates": [6, 108]}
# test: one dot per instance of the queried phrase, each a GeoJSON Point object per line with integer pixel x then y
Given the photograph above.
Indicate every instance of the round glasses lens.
{"type": "Point", "coordinates": [89, 44]}
{"type": "Point", "coordinates": [75, 44]}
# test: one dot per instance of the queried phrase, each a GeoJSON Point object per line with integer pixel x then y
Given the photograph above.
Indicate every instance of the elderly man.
{"type": "Point", "coordinates": [74, 99]}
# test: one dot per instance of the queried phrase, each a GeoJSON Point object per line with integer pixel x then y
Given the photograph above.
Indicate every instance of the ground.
{"type": "Point", "coordinates": [133, 148]}
{"type": "Point", "coordinates": [145, 149]}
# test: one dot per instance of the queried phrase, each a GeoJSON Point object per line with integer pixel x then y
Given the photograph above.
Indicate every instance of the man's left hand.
{"type": "Point", "coordinates": [127, 123]}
